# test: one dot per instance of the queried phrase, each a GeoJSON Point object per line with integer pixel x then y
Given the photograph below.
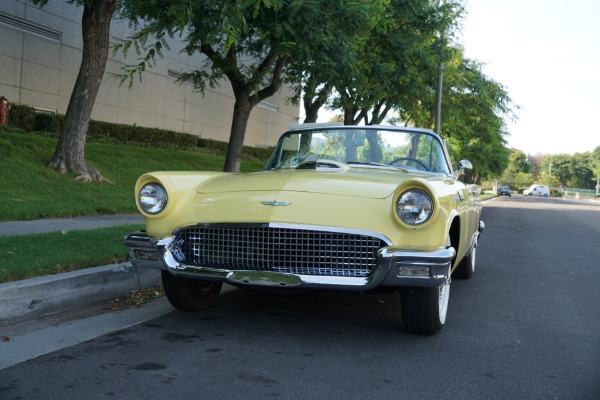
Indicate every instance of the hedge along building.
{"type": "Point", "coordinates": [40, 55]}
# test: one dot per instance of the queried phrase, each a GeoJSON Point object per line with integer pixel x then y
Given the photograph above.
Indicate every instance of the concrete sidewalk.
{"type": "Point", "coordinates": [31, 298]}
{"type": "Point", "coordinates": [14, 228]}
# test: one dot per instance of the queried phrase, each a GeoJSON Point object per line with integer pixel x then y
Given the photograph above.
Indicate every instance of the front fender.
{"type": "Point", "coordinates": [181, 187]}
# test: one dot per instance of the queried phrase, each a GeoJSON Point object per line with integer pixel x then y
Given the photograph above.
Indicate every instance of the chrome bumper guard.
{"type": "Point", "coordinates": [395, 267]}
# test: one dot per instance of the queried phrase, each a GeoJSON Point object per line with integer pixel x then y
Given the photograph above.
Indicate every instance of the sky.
{"type": "Point", "coordinates": [546, 54]}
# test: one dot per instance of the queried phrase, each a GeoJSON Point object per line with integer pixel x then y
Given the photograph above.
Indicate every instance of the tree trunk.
{"type": "Point", "coordinates": [378, 115]}
{"type": "Point", "coordinates": [314, 101]}
{"type": "Point", "coordinates": [312, 112]}
{"type": "Point", "coordinates": [69, 155]}
{"type": "Point", "coordinates": [353, 116]}
{"type": "Point", "coordinates": [245, 100]}
{"type": "Point", "coordinates": [241, 114]}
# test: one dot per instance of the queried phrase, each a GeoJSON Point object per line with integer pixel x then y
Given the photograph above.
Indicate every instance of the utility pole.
{"type": "Point", "coordinates": [438, 103]}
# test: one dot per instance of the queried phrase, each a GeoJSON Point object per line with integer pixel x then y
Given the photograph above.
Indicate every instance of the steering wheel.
{"type": "Point", "coordinates": [409, 159]}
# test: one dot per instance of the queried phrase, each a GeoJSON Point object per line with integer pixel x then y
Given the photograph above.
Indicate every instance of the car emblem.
{"type": "Point", "coordinates": [276, 203]}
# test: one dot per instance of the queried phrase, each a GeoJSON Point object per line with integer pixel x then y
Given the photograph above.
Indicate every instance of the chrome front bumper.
{"type": "Point", "coordinates": [395, 267]}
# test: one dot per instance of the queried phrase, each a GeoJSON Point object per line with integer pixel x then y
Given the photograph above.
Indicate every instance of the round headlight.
{"type": "Point", "coordinates": [414, 207]}
{"type": "Point", "coordinates": [152, 198]}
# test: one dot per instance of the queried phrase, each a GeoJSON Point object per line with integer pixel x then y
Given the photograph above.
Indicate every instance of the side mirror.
{"type": "Point", "coordinates": [465, 171]}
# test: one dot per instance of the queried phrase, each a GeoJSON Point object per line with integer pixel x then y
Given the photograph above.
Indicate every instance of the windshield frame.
{"type": "Point", "coordinates": [438, 149]}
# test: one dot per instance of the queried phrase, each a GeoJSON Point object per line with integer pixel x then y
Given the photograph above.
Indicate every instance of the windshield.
{"type": "Point", "coordinates": [362, 146]}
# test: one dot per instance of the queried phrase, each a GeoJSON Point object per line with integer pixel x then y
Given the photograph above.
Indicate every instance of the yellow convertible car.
{"type": "Point", "coordinates": [352, 208]}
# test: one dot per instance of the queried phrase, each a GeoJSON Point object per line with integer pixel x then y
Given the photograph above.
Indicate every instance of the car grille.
{"type": "Point", "coordinates": [264, 248]}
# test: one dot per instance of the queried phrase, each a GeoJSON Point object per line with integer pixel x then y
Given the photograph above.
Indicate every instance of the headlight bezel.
{"type": "Point", "coordinates": [421, 204]}
{"type": "Point", "coordinates": [152, 190]}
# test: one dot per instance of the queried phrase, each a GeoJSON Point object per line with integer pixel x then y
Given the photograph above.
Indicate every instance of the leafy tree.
{"type": "Point", "coordinates": [69, 156]}
{"type": "Point", "coordinates": [581, 171]}
{"type": "Point", "coordinates": [560, 167]}
{"type": "Point", "coordinates": [596, 156]}
{"type": "Point", "coordinates": [549, 180]}
{"type": "Point", "coordinates": [245, 41]}
{"type": "Point", "coordinates": [474, 108]}
{"type": "Point", "coordinates": [517, 162]}
{"type": "Point", "coordinates": [536, 164]}
{"type": "Point", "coordinates": [397, 61]}
{"type": "Point", "coordinates": [249, 42]}
{"type": "Point", "coordinates": [336, 55]}
{"type": "Point", "coordinates": [523, 179]}
{"type": "Point", "coordinates": [571, 170]}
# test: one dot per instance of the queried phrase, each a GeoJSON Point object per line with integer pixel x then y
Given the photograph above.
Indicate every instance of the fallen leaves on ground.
{"type": "Point", "coordinates": [137, 297]}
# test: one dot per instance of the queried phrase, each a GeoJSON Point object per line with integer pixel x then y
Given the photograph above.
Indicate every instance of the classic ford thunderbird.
{"type": "Point", "coordinates": [352, 208]}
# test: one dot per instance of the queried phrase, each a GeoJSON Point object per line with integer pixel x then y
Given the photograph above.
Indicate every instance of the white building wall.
{"type": "Point", "coordinates": [40, 54]}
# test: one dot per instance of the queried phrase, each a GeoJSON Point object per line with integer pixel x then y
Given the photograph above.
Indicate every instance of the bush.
{"type": "Point", "coordinates": [100, 131]}
{"type": "Point", "coordinates": [50, 123]}
{"type": "Point", "coordinates": [212, 145]}
{"type": "Point", "coordinates": [218, 147]}
{"type": "Point", "coordinates": [121, 133]}
{"type": "Point", "coordinates": [26, 118]}
{"type": "Point", "coordinates": [261, 153]}
{"type": "Point", "coordinates": [22, 117]}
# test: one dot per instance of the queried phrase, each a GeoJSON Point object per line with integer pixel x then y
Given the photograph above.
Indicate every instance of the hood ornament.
{"type": "Point", "coordinates": [276, 203]}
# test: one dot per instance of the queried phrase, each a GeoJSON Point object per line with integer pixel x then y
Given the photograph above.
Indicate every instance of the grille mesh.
{"type": "Point", "coordinates": [263, 248]}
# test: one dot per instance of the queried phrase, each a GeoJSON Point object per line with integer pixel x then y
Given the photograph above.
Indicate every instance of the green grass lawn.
{"type": "Point", "coordinates": [31, 190]}
{"type": "Point", "coordinates": [28, 256]}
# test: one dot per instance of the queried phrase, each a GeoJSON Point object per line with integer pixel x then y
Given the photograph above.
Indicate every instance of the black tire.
{"type": "Point", "coordinates": [466, 268]}
{"type": "Point", "coordinates": [190, 294]}
{"type": "Point", "coordinates": [422, 308]}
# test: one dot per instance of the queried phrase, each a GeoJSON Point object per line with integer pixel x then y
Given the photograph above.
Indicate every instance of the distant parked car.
{"type": "Point", "coordinates": [504, 191]}
{"type": "Point", "coordinates": [537, 190]}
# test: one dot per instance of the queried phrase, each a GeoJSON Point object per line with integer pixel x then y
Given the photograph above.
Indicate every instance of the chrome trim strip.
{"type": "Point", "coordinates": [303, 227]}
{"type": "Point", "coordinates": [276, 203]}
{"type": "Point", "coordinates": [138, 239]}
{"type": "Point", "coordinates": [437, 257]}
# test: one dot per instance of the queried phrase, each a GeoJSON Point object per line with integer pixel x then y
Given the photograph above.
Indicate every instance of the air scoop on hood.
{"type": "Point", "coordinates": [342, 182]}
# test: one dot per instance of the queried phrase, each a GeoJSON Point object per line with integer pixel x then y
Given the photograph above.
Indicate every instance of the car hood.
{"type": "Point", "coordinates": [377, 184]}
{"type": "Point", "coordinates": [296, 197]}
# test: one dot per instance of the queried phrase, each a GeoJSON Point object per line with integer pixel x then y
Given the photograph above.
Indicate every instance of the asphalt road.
{"type": "Point", "coordinates": [526, 326]}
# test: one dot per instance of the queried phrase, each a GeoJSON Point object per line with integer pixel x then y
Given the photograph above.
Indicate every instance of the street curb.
{"type": "Point", "coordinates": [31, 298]}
